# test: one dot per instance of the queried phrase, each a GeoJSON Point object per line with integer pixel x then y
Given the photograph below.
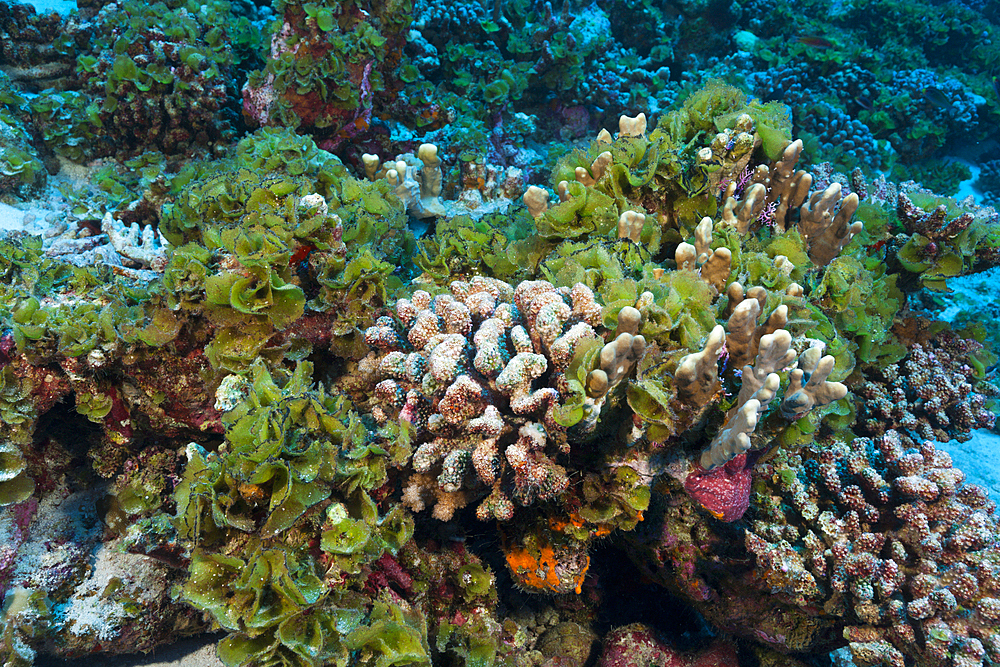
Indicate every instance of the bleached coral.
{"type": "Point", "coordinates": [143, 245]}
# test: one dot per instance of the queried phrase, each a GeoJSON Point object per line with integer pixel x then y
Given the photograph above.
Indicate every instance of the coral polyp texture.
{"type": "Point", "coordinates": [927, 587]}
{"type": "Point", "coordinates": [412, 333]}
{"type": "Point", "coordinates": [931, 393]}
{"type": "Point", "coordinates": [461, 371]}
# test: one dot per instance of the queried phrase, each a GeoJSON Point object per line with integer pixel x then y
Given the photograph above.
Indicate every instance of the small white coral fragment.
{"type": "Point", "coordinates": [537, 200]}
{"type": "Point", "coordinates": [371, 163]}
{"type": "Point", "coordinates": [597, 169]}
{"type": "Point", "coordinates": [144, 245]}
{"type": "Point", "coordinates": [697, 376]}
{"type": "Point", "coordinates": [734, 438]}
{"type": "Point", "coordinates": [632, 127]}
{"type": "Point", "coordinates": [808, 386]}
{"type": "Point", "coordinates": [630, 225]}
{"type": "Point", "coordinates": [430, 181]}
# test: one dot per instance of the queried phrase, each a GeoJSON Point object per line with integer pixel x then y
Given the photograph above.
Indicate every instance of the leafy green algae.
{"type": "Point", "coordinates": [862, 304]}
{"type": "Point", "coordinates": [296, 462]}
{"type": "Point", "coordinates": [461, 246]}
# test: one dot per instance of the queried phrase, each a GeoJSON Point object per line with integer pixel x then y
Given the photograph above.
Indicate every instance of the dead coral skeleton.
{"type": "Point", "coordinates": [143, 245]}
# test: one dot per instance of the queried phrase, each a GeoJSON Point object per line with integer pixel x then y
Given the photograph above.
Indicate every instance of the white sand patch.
{"type": "Point", "coordinates": [979, 459]}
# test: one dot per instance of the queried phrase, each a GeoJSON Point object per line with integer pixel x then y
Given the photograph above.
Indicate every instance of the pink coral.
{"type": "Point", "coordinates": [932, 393]}
{"type": "Point", "coordinates": [637, 645]}
{"type": "Point", "coordinates": [892, 539]}
{"type": "Point", "coordinates": [462, 369]}
{"type": "Point", "coordinates": [876, 543]}
{"type": "Point", "coordinates": [723, 491]}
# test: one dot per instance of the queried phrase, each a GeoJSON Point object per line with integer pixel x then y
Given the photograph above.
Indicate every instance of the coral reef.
{"type": "Point", "coordinates": [989, 181]}
{"type": "Point", "coordinates": [925, 588]}
{"type": "Point", "coordinates": [882, 528]}
{"type": "Point", "coordinates": [20, 167]}
{"type": "Point", "coordinates": [930, 393]}
{"type": "Point", "coordinates": [327, 61]}
{"type": "Point", "coordinates": [374, 334]}
{"type": "Point", "coordinates": [168, 87]}
{"type": "Point", "coordinates": [460, 372]}
{"type": "Point", "coordinates": [634, 645]}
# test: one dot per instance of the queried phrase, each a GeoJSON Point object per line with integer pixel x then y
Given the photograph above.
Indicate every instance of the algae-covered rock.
{"type": "Point", "coordinates": [21, 169]}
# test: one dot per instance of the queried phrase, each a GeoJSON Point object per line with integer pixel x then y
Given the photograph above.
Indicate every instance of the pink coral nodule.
{"type": "Point", "coordinates": [723, 491]}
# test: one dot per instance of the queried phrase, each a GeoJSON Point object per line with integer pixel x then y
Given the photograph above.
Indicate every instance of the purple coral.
{"type": "Point", "coordinates": [931, 393]}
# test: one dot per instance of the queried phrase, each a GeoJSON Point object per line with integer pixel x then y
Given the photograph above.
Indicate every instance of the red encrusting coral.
{"type": "Point", "coordinates": [723, 491]}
